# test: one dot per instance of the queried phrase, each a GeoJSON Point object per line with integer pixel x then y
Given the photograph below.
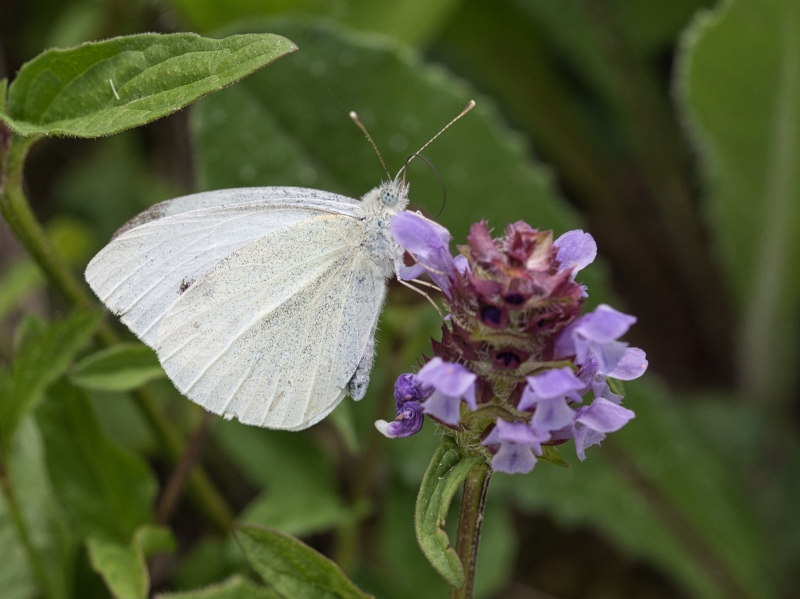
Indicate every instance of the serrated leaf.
{"type": "Point", "coordinates": [249, 135]}
{"type": "Point", "coordinates": [123, 567]}
{"type": "Point", "coordinates": [446, 472]}
{"type": "Point", "coordinates": [739, 84]}
{"type": "Point", "coordinates": [107, 492]}
{"type": "Point", "coordinates": [122, 367]}
{"type": "Point", "coordinates": [101, 88]}
{"type": "Point", "coordinates": [235, 587]}
{"type": "Point", "coordinates": [292, 568]}
{"type": "Point", "coordinates": [44, 354]}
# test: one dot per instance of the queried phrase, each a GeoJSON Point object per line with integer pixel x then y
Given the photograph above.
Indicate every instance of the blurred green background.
{"type": "Point", "coordinates": [669, 129]}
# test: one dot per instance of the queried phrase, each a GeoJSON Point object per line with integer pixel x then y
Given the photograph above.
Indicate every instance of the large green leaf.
{"type": "Point", "coordinates": [123, 567]}
{"type": "Point", "coordinates": [739, 84]}
{"type": "Point", "coordinates": [446, 472]}
{"type": "Point", "coordinates": [122, 367]}
{"type": "Point", "coordinates": [107, 492]}
{"type": "Point", "coordinates": [250, 135]}
{"type": "Point", "coordinates": [235, 587]}
{"type": "Point", "coordinates": [101, 88]}
{"type": "Point", "coordinates": [413, 21]}
{"type": "Point", "coordinates": [293, 569]}
{"type": "Point", "coordinates": [43, 356]}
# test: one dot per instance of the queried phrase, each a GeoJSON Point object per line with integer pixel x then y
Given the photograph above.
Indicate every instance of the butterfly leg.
{"type": "Point", "coordinates": [357, 387]}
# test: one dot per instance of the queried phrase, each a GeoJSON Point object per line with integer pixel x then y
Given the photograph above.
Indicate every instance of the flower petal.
{"type": "Point", "coordinates": [555, 383]}
{"type": "Point", "coordinates": [408, 387]}
{"type": "Point", "coordinates": [604, 416]}
{"type": "Point", "coordinates": [449, 378]}
{"type": "Point", "coordinates": [576, 250]}
{"type": "Point", "coordinates": [585, 437]}
{"type": "Point", "coordinates": [604, 325]}
{"type": "Point", "coordinates": [552, 414]}
{"type": "Point", "coordinates": [631, 366]}
{"type": "Point", "coordinates": [513, 459]}
{"type": "Point", "coordinates": [443, 407]}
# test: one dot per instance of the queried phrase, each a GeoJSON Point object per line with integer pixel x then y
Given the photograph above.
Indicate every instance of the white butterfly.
{"type": "Point", "coordinates": [261, 303]}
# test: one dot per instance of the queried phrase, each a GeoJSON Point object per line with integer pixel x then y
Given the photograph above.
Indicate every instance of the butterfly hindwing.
{"type": "Point", "coordinates": [274, 332]}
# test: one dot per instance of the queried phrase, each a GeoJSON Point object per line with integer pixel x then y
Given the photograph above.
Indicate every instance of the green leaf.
{"type": "Point", "coordinates": [107, 492]}
{"type": "Point", "coordinates": [123, 367]}
{"type": "Point", "coordinates": [446, 472]}
{"type": "Point", "coordinates": [249, 135]}
{"type": "Point", "coordinates": [412, 21]}
{"type": "Point", "coordinates": [550, 455]}
{"type": "Point", "coordinates": [101, 88]}
{"type": "Point", "coordinates": [235, 587]}
{"type": "Point", "coordinates": [739, 86]}
{"type": "Point", "coordinates": [300, 496]}
{"type": "Point", "coordinates": [52, 537]}
{"type": "Point", "coordinates": [292, 568]}
{"type": "Point", "coordinates": [123, 567]}
{"type": "Point", "coordinates": [43, 356]}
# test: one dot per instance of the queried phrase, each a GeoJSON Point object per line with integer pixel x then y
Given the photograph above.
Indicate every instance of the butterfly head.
{"type": "Point", "coordinates": [394, 194]}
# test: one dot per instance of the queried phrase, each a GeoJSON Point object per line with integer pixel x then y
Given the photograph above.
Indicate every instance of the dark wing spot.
{"type": "Point", "coordinates": [185, 285]}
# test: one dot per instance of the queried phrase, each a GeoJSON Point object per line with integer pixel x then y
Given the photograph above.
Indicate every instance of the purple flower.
{"type": "Point", "coordinates": [409, 388]}
{"type": "Point", "coordinates": [429, 243]}
{"type": "Point", "coordinates": [597, 331]}
{"type": "Point", "coordinates": [518, 442]}
{"type": "Point", "coordinates": [595, 420]}
{"type": "Point", "coordinates": [408, 422]}
{"type": "Point", "coordinates": [548, 393]}
{"type": "Point", "coordinates": [576, 250]}
{"type": "Point", "coordinates": [452, 383]}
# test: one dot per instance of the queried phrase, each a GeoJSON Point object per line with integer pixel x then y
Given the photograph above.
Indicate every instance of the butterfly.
{"type": "Point", "coordinates": [261, 303]}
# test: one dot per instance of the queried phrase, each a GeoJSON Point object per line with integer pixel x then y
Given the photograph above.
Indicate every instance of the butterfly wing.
{"type": "Point", "coordinates": [274, 332]}
{"type": "Point", "coordinates": [159, 254]}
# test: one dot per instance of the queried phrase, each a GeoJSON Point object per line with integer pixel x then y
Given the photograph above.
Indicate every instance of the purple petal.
{"type": "Point", "coordinates": [552, 414]}
{"type": "Point", "coordinates": [565, 342]}
{"type": "Point", "coordinates": [444, 407]}
{"type": "Point", "coordinates": [428, 242]}
{"type": "Point", "coordinates": [585, 437]}
{"type": "Point", "coordinates": [631, 366]}
{"type": "Point", "coordinates": [462, 264]}
{"type": "Point", "coordinates": [604, 325]}
{"type": "Point", "coordinates": [409, 421]}
{"type": "Point", "coordinates": [557, 382]}
{"type": "Point", "coordinates": [604, 416]}
{"type": "Point", "coordinates": [514, 432]}
{"type": "Point", "coordinates": [407, 273]}
{"type": "Point", "coordinates": [449, 378]}
{"type": "Point", "coordinates": [513, 459]}
{"type": "Point", "coordinates": [409, 388]}
{"type": "Point", "coordinates": [576, 250]}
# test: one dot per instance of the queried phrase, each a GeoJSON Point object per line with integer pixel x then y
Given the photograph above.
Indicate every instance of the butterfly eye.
{"type": "Point", "coordinates": [389, 196]}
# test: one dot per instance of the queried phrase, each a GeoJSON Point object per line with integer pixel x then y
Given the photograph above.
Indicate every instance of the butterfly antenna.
{"type": "Point", "coordinates": [361, 126]}
{"type": "Point", "coordinates": [469, 107]}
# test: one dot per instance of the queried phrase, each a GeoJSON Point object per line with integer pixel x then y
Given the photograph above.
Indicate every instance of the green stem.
{"type": "Point", "coordinates": [16, 210]}
{"type": "Point", "coordinates": [34, 558]}
{"type": "Point", "coordinates": [470, 520]}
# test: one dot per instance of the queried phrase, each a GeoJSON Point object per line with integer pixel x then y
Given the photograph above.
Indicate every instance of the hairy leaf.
{"type": "Point", "coordinates": [292, 568]}
{"type": "Point", "coordinates": [123, 367]}
{"type": "Point", "coordinates": [101, 88]}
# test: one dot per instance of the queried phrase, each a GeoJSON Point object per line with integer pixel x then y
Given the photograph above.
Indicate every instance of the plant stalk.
{"type": "Point", "coordinates": [470, 521]}
{"type": "Point", "coordinates": [16, 210]}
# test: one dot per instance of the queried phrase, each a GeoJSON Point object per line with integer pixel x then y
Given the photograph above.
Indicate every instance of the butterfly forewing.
{"type": "Point", "coordinates": [158, 255]}
{"type": "Point", "coordinates": [274, 332]}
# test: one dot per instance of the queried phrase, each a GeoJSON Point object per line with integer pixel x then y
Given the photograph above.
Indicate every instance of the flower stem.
{"type": "Point", "coordinates": [470, 520]}
{"type": "Point", "coordinates": [16, 210]}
